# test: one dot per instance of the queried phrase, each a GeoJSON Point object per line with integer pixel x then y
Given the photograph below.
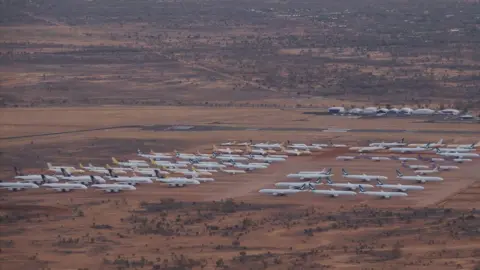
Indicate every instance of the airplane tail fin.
{"type": "Point", "coordinates": [157, 173]}
{"type": "Point", "coordinates": [81, 165]}
{"type": "Point", "coordinates": [17, 172]}
{"type": "Point", "coordinates": [403, 140]}
{"type": "Point", "coordinates": [110, 171]}
{"type": "Point", "coordinates": [108, 166]}
{"type": "Point", "coordinates": [139, 152]}
{"type": "Point", "coordinates": [49, 165]}
{"type": "Point", "coordinates": [152, 161]}
{"type": "Point", "coordinates": [344, 172]}
{"type": "Point", "coordinates": [151, 152]}
{"type": "Point", "coordinates": [440, 141]}
{"type": "Point", "coordinates": [65, 173]}
{"type": "Point", "coordinates": [360, 187]}
{"type": "Point", "coordinates": [379, 182]}
{"type": "Point", "coordinates": [399, 174]}
{"type": "Point", "coordinates": [329, 171]}
{"type": "Point", "coordinates": [329, 180]}
{"type": "Point", "coordinates": [114, 160]}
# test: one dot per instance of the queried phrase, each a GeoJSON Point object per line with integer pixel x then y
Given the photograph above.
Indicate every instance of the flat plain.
{"type": "Point", "coordinates": [227, 223]}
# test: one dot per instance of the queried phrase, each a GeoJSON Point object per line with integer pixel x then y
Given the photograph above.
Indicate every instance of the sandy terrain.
{"type": "Point", "coordinates": [162, 228]}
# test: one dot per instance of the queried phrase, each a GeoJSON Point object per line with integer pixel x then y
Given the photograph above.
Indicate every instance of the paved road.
{"type": "Point", "coordinates": [200, 128]}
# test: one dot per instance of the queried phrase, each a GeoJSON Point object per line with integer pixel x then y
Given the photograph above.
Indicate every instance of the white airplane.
{"type": "Point", "coordinates": [427, 145]}
{"type": "Point", "coordinates": [161, 155]}
{"type": "Point", "coordinates": [311, 175]}
{"type": "Point", "coordinates": [64, 187]}
{"type": "Point", "coordinates": [332, 192]}
{"type": "Point", "coordinates": [419, 178]}
{"type": "Point", "coordinates": [191, 156]}
{"type": "Point", "coordinates": [200, 156]}
{"type": "Point", "coordinates": [151, 172]}
{"type": "Point", "coordinates": [267, 159]}
{"type": "Point", "coordinates": [229, 143]}
{"type": "Point", "coordinates": [134, 180]}
{"type": "Point", "coordinates": [153, 155]}
{"type": "Point", "coordinates": [366, 149]}
{"type": "Point", "coordinates": [113, 187]}
{"type": "Point", "coordinates": [168, 164]}
{"type": "Point", "coordinates": [297, 185]}
{"type": "Point", "coordinates": [259, 151]}
{"type": "Point", "coordinates": [405, 150]}
{"type": "Point", "coordinates": [363, 177]}
{"type": "Point", "coordinates": [178, 181]}
{"type": "Point", "coordinates": [457, 155]}
{"type": "Point", "coordinates": [424, 172]}
{"type": "Point", "coordinates": [58, 169]}
{"type": "Point", "coordinates": [250, 166]}
{"type": "Point", "coordinates": [346, 158]}
{"type": "Point", "coordinates": [102, 170]}
{"type": "Point", "coordinates": [82, 179]}
{"type": "Point", "coordinates": [382, 194]}
{"type": "Point", "coordinates": [473, 145]}
{"type": "Point", "coordinates": [209, 166]}
{"type": "Point", "coordinates": [278, 156]}
{"type": "Point", "coordinates": [379, 158]}
{"type": "Point", "coordinates": [330, 145]}
{"type": "Point", "coordinates": [35, 178]}
{"type": "Point", "coordinates": [415, 166]}
{"type": "Point", "coordinates": [280, 192]}
{"type": "Point", "coordinates": [229, 158]}
{"type": "Point", "coordinates": [461, 160]}
{"type": "Point", "coordinates": [296, 152]}
{"type": "Point", "coordinates": [204, 179]}
{"type": "Point", "coordinates": [192, 173]}
{"type": "Point", "coordinates": [226, 150]}
{"type": "Point", "coordinates": [118, 170]}
{"type": "Point", "coordinates": [16, 186]}
{"type": "Point", "coordinates": [454, 150]}
{"type": "Point", "coordinates": [447, 167]}
{"type": "Point", "coordinates": [399, 187]}
{"type": "Point", "coordinates": [389, 144]}
{"type": "Point", "coordinates": [135, 163]}
{"type": "Point", "coordinates": [349, 186]}
{"type": "Point", "coordinates": [324, 171]}
{"type": "Point", "coordinates": [232, 171]}
{"type": "Point", "coordinates": [268, 145]}
{"type": "Point", "coordinates": [302, 146]}
{"type": "Point", "coordinates": [430, 159]}
{"type": "Point", "coordinates": [404, 158]}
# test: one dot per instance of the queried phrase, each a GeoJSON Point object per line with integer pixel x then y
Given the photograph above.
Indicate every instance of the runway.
{"type": "Point", "coordinates": [206, 128]}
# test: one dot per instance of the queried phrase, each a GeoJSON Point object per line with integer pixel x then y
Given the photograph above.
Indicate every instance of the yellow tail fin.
{"type": "Point", "coordinates": [114, 160]}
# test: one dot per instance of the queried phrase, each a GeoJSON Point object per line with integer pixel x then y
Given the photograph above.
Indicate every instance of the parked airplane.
{"type": "Point", "coordinates": [324, 171]}
{"type": "Point", "coordinates": [209, 165]}
{"type": "Point", "coordinates": [311, 175]}
{"type": "Point", "coordinates": [382, 194]}
{"type": "Point", "coordinates": [366, 149]}
{"type": "Point", "coordinates": [379, 158]}
{"type": "Point", "coordinates": [461, 160]}
{"type": "Point", "coordinates": [430, 159]}
{"type": "Point", "coordinates": [458, 155]}
{"type": "Point", "coordinates": [190, 156]}
{"type": "Point", "coordinates": [348, 185]}
{"type": "Point", "coordinates": [424, 172]}
{"type": "Point", "coordinates": [64, 187]}
{"type": "Point", "coordinates": [151, 172]}
{"type": "Point", "coordinates": [168, 164]}
{"type": "Point", "coordinates": [346, 158]}
{"type": "Point", "coordinates": [415, 166]}
{"type": "Point", "coordinates": [102, 170]}
{"type": "Point", "coordinates": [135, 163]}
{"type": "Point", "coordinates": [405, 150]}
{"type": "Point", "coordinates": [280, 192]}
{"type": "Point", "coordinates": [259, 151]}
{"type": "Point", "coordinates": [302, 146]}
{"type": "Point", "coordinates": [229, 158]}
{"type": "Point", "coordinates": [363, 177]}
{"type": "Point", "coordinates": [16, 186]}
{"type": "Point", "coordinates": [35, 178]}
{"type": "Point", "coordinates": [473, 145]}
{"type": "Point", "coordinates": [419, 178]}
{"type": "Point", "coordinates": [58, 169]}
{"type": "Point", "coordinates": [454, 150]}
{"type": "Point", "coordinates": [134, 180]}
{"type": "Point", "coordinates": [82, 179]}
{"type": "Point", "coordinates": [329, 192]}
{"type": "Point", "coordinates": [404, 158]}
{"type": "Point", "coordinates": [226, 150]}
{"type": "Point", "coordinates": [267, 159]}
{"type": "Point", "coordinates": [296, 151]}
{"type": "Point", "coordinates": [389, 144]}
{"type": "Point", "coordinates": [154, 155]}
{"type": "Point", "coordinates": [297, 185]}
{"type": "Point", "coordinates": [231, 171]}
{"type": "Point", "coordinates": [162, 155]}
{"type": "Point", "coordinates": [113, 187]}
{"type": "Point", "coordinates": [118, 170]}
{"type": "Point", "coordinates": [192, 173]}
{"type": "Point", "coordinates": [204, 179]}
{"type": "Point", "coordinates": [427, 145]}
{"type": "Point", "coordinates": [250, 166]}
{"type": "Point", "coordinates": [447, 167]}
{"type": "Point", "coordinates": [399, 187]}
{"type": "Point", "coordinates": [178, 181]}
{"type": "Point", "coordinates": [268, 145]}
